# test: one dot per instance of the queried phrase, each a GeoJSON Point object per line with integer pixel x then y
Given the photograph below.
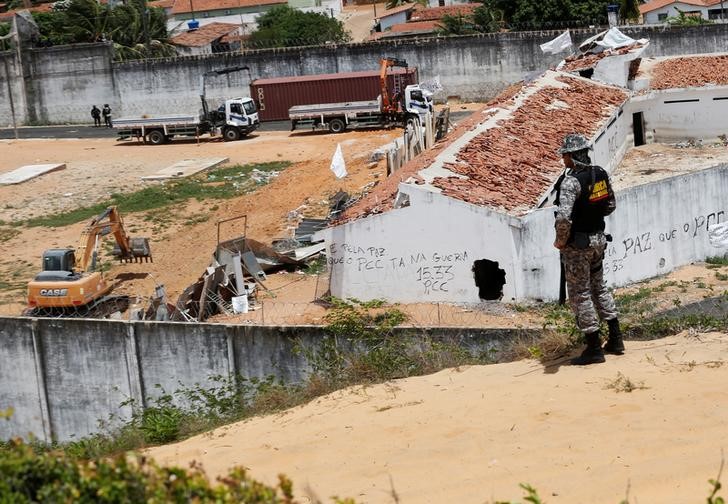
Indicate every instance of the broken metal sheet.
{"type": "Point", "coordinates": [304, 253]}
{"type": "Point", "coordinates": [252, 265]}
{"type": "Point", "coordinates": [308, 227]}
{"type": "Point", "coordinates": [267, 257]}
{"type": "Point", "coordinates": [28, 172]}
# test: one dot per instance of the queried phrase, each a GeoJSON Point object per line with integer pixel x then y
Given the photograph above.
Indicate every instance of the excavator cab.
{"type": "Point", "coordinates": [58, 266]}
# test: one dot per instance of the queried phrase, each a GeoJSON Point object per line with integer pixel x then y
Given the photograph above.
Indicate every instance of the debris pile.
{"type": "Point", "coordinates": [695, 71]}
{"type": "Point", "coordinates": [511, 166]}
{"type": "Point", "coordinates": [590, 60]}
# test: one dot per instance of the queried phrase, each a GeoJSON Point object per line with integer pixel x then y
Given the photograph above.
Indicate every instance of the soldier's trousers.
{"type": "Point", "coordinates": [588, 294]}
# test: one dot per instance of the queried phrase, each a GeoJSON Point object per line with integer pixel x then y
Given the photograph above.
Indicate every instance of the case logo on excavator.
{"type": "Point", "coordinates": [54, 292]}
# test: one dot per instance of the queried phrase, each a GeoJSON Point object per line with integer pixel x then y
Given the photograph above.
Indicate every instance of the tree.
{"type": "Point", "coordinates": [487, 17]}
{"type": "Point", "coordinates": [629, 9]}
{"type": "Point", "coordinates": [458, 24]}
{"type": "Point", "coordinates": [538, 14]}
{"type": "Point", "coordinates": [77, 21]}
{"type": "Point", "coordinates": [283, 26]}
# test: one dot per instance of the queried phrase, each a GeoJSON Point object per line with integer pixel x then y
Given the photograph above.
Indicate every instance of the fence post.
{"type": "Point", "coordinates": [45, 413]}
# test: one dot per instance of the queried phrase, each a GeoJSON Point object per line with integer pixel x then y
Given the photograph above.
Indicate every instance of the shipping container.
{"type": "Point", "coordinates": [275, 96]}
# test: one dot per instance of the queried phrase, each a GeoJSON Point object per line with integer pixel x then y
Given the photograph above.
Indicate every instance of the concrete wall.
{"type": "Point", "coordinates": [681, 114]}
{"type": "Point", "coordinates": [62, 376]}
{"type": "Point", "coordinates": [63, 82]}
{"type": "Point", "coordinates": [431, 260]}
{"type": "Point", "coordinates": [657, 227]}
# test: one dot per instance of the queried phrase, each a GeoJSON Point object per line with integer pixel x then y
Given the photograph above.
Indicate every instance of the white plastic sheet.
{"type": "Point", "coordinates": [718, 235]}
{"type": "Point", "coordinates": [560, 43]}
{"type": "Point", "coordinates": [614, 39]}
{"type": "Point", "coordinates": [338, 166]}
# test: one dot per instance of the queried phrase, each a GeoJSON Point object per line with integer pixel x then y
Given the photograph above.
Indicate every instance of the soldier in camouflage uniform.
{"type": "Point", "coordinates": [584, 198]}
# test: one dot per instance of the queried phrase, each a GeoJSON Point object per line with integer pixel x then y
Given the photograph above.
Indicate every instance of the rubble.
{"type": "Point", "coordinates": [696, 71]}
{"type": "Point", "coordinates": [511, 165]}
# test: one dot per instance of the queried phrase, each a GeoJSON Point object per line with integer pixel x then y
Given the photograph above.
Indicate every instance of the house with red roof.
{"type": "Point", "coordinates": [658, 11]}
{"type": "Point", "coordinates": [207, 39]}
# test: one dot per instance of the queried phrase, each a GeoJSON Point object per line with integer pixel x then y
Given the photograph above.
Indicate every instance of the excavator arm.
{"type": "Point", "coordinates": [109, 221]}
{"type": "Point", "coordinates": [387, 104]}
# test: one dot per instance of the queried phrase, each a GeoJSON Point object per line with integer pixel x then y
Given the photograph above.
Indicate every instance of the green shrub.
{"type": "Point", "coordinates": [52, 476]}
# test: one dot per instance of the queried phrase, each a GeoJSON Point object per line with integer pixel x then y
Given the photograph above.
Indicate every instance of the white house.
{"type": "Point", "coordinates": [658, 11]}
{"type": "Point", "coordinates": [476, 222]}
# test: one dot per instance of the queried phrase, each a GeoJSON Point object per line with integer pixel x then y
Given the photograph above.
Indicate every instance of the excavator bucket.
{"type": "Point", "coordinates": [140, 251]}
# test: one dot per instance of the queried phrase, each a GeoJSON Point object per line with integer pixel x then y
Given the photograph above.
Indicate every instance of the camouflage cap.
{"type": "Point", "coordinates": [574, 143]}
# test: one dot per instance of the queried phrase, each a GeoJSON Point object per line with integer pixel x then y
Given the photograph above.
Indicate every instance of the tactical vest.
{"type": "Point", "coordinates": [593, 202]}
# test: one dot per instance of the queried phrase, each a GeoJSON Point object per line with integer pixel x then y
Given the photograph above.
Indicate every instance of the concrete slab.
{"type": "Point", "coordinates": [186, 168]}
{"type": "Point", "coordinates": [28, 172]}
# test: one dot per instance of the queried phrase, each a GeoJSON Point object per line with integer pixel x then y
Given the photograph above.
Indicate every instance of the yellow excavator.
{"type": "Point", "coordinates": [69, 279]}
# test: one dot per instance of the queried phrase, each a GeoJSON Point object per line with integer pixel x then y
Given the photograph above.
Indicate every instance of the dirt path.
{"type": "Point", "coordinates": [474, 434]}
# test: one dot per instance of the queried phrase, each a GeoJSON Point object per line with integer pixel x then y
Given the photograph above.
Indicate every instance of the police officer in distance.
{"type": "Point", "coordinates": [584, 197]}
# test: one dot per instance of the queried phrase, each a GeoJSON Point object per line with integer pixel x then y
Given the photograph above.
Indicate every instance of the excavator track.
{"type": "Point", "coordinates": [99, 309]}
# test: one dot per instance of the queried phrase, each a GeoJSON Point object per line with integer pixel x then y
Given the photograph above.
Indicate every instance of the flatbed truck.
{"type": "Point", "coordinates": [234, 119]}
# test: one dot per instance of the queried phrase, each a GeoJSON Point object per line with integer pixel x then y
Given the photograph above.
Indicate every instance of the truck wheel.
{"type": "Point", "coordinates": [337, 126]}
{"type": "Point", "coordinates": [155, 137]}
{"type": "Point", "coordinates": [231, 134]}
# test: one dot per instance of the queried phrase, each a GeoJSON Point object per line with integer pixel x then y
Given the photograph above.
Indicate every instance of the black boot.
{"type": "Point", "coordinates": [614, 344]}
{"type": "Point", "coordinates": [593, 353]}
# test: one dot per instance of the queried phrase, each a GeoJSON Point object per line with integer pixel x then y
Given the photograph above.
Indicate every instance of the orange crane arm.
{"type": "Point", "coordinates": [384, 63]}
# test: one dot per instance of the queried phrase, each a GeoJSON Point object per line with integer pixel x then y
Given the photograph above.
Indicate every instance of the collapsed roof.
{"type": "Point", "coordinates": [504, 156]}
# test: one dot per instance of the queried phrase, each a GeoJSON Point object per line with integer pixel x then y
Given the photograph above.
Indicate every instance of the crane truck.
{"type": "Point", "coordinates": [235, 119]}
{"type": "Point", "coordinates": [391, 108]}
{"type": "Point", "coordinates": [69, 281]}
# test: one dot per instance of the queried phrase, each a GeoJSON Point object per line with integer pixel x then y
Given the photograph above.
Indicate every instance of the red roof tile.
{"type": "Point", "coordinates": [390, 12]}
{"type": "Point", "coordinates": [658, 4]}
{"type": "Point", "coordinates": [185, 6]}
{"type": "Point", "coordinates": [440, 12]}
{"type": "Point", "coordinates": [687, 72]}
{"type": "Point", "coordinates": [510, 165]}
{"type": "Point", "coordinates": [204, 35]}
{"type": "Point", "coordinates": [46, 7]}
{"type": "Point", "coordinates": [418, 26]}
{"type": "Point", "coordinates": [162, 4]}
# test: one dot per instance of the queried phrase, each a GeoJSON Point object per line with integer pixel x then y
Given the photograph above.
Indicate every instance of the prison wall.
{"type": "Point", "coordinates": [59, 84]}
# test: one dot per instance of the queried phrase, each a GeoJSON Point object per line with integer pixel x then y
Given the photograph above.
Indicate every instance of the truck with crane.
{"type": "Point", "coordinates": [70, 282]}
{"type": "Point", "coordinates": [234, 119]}
{"type": "Point", "coordinates": [395, 107]}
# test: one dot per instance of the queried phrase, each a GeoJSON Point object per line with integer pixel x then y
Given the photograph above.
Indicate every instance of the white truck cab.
{"type": "Point", "coordinates": [241, 117]}
{"type": "Point", "coordinates": [417, 100]}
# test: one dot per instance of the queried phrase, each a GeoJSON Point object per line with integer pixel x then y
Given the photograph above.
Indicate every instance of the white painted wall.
{"type": "Point", "coordinates": [387, 22]}
{"type": "Point", "coordinates": [672, 11]}
{"type": "Point", "coordinates": [680, 114]}
{"type": "Point", "coordinates": [656, 228]}
{"type": "Point", "coordinates": [421, 253]}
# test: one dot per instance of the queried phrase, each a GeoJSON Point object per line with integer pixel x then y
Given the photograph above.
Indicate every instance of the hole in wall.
{"type": "Point", "coordinates": [661, 264]}
{"type": "Point", "coordinates": [586, 73]}
{"type": "Point", "coordinates": [489, 279]}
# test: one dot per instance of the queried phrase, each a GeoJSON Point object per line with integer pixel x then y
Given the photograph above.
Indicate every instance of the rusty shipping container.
{"type": "Point", "coordinates": [275, 96]}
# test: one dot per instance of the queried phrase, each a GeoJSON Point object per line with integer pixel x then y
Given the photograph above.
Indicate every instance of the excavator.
{"type": "Point", "coordinates": [69, 281]}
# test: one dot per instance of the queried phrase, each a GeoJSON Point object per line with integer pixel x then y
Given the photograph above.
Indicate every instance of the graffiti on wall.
{"type": "Point", "coordinates": [432, 272]}
{"type": "Point", "coordinates": [620, 252]}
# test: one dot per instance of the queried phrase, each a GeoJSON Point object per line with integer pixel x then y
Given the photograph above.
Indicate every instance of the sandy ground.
{"type": "Point", "coordinates": [181, 248]}
{"type": "Point", "coordinates": [473, 434]}
{"type": "Point", "coordinates": [359, 20]}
